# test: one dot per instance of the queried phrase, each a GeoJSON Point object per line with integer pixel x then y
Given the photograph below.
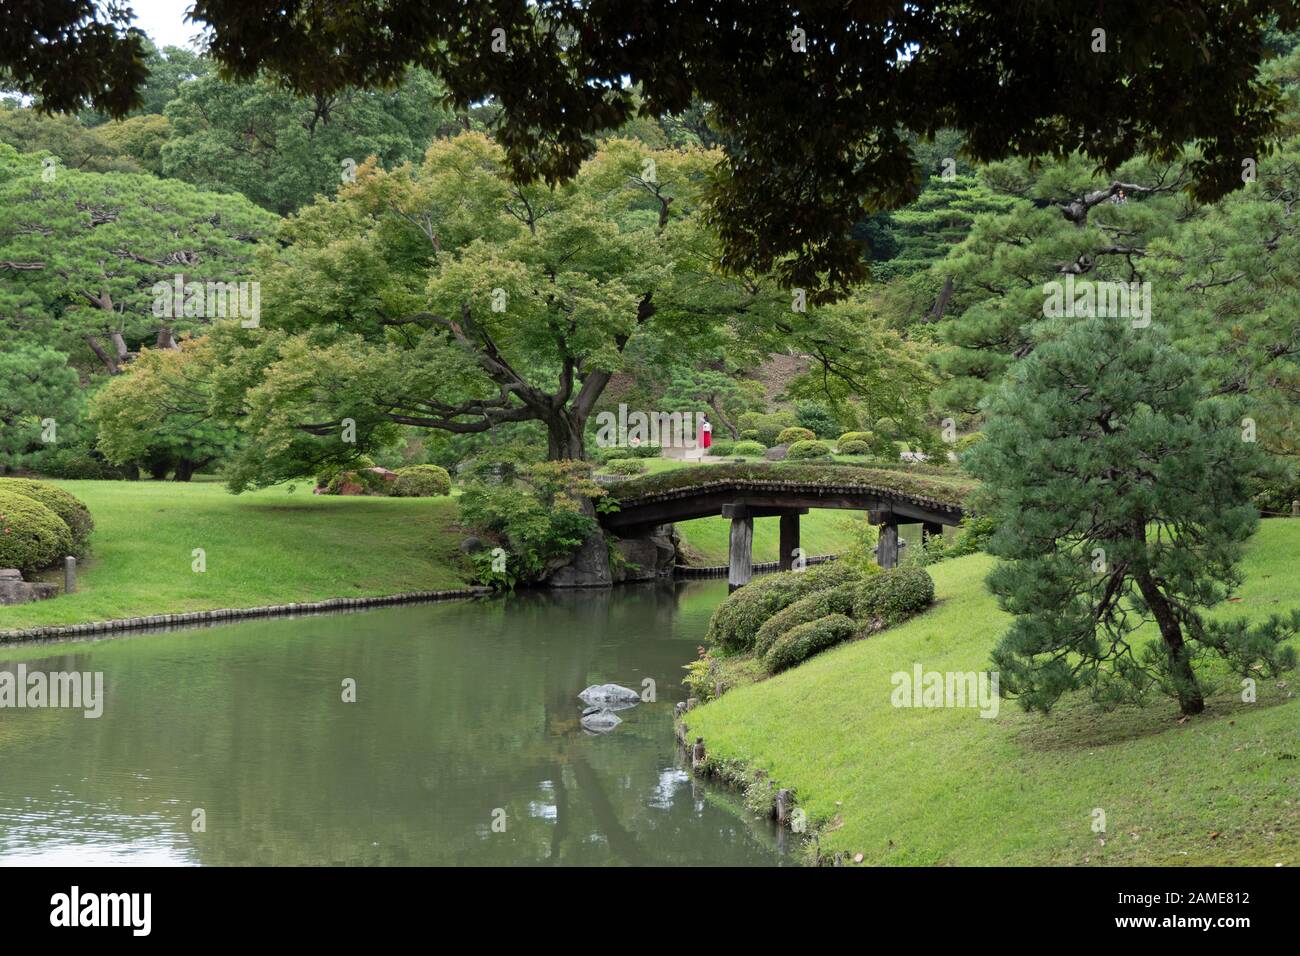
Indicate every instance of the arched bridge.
{"type": "Point", "coordinates": [788, 490]}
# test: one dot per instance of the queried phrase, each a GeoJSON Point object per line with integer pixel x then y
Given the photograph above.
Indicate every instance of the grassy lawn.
{"type": "Point", "coordinates": [947, 787]}
{"type": "Point", "coordinates": [267, 547]}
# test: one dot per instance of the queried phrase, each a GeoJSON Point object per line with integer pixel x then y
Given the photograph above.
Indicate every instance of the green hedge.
{"type": "Point", "coordinates": [625, 466]}
{"type": "Point", "coordinates": [837, 600]}
{"type": "Point", "coordinates": [803, 450]}
{"type": "Point", "coordinates": [789, 436]}
{"type": "Point", "coordinates": [721, 448]}
{"type": "Point", "coordinates": [32, 536]}
{"type": "Point", "coordinates": [421, 481]}
{"type": "Point", "coordinates": [735, 623]}
{"type": "Point", "coordinates": [801, 642]}
{"type": "Point", "coordinates": [853, 447]}
{"type": "Point", "coordinates": [893, 596]}
{"type": "Point", "coordinates": [751, 449]}
{"type": "Point", "coordinates": [67, 506]}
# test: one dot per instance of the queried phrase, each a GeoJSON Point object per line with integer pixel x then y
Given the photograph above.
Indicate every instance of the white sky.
{"type": "Point", "coordinates": [164, 21]}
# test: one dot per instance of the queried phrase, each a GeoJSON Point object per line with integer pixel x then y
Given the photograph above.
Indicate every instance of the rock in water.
{"type": "Point", "coordinates": [602, 721]}
{"type": "Point", "coordinates": [610, 696]}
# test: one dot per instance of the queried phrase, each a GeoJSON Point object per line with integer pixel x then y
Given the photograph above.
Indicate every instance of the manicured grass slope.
{"type": "Point", "coordinates": [268, 547]}
{"type": "Point", "coordinates": [944, 786]}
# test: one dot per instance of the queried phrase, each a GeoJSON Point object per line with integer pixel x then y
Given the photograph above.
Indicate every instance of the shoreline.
{"type": "Point", "coordinates": [219, 615]}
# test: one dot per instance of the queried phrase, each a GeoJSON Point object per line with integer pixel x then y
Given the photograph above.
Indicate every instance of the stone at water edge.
{"type": "Point", "coordinates": [610, 696]}
{"type": "Point", "coordinates": [776, 453]}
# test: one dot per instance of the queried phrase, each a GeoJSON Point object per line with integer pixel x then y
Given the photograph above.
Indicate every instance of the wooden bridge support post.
{"type": "Point", "coordinates": [789, 540]}
{"type": "Point", "coordinates": [887, 544]}
{"type": "Point", "coordinates": [740, 554]}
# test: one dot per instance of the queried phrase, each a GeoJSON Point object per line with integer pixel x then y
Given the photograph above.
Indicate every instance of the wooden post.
{"type": "Point", "coordinates": [887, 546]}
{"type": "Point", "coordinates": [789, 540]}
{"type": "Point", "coordinates": [69, 575]}
{"type": "Point", "coordinates": [740, 556]}
{"type": "Point", "coordinates": [697, 753]}
{"type": "Point", "coordinates": [783, 801]}
{"type": "Point", "coordinates": [1295, 509]}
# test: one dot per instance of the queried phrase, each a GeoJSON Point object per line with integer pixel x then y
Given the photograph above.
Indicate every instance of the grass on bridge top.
{"type": "Point", "coordinates": [925, 481]}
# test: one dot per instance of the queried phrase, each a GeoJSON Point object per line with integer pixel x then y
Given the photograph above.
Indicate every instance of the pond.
{"type": "Point", "coordinates": [233, 745]}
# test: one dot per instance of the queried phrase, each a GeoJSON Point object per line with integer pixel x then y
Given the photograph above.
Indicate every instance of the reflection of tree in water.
{"type": "Point", "coordinates": [462, 708]}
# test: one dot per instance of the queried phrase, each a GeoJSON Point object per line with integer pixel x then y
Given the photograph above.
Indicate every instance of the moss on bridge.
{"type": "Point", "coordinates": [920, 482]}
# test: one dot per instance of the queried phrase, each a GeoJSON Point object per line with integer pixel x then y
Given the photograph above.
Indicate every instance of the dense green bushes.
{"type": "Point", "coordinates": [784, 618]}
{"type": "Point", "coordinates": [836, 600]}
{"type": "Point", "coordinates": [751, 449]}
{"type": "Point", "coordinates": [790, 436]}
{"type": "Point", "coordinates": [421, 481]}
{"type": "Point", "coordinates": [538, 521]}
{"type": "Point", "coordinates": [32, 537]}
{"type": "Point", "coordinates": [734, 625]}
{"type": "Point", "coordinates": [757, 426]}
{"type": "Point", "coordinates": [68, 507]}
{"type": "Point", "coordinates": [803, 450]}
{"type": "Point", "coordinates": [853, 448]}
{"type": "Point", "coordinates": [805, 640]}
{"type": "Point", "coordinates": [892, 597]}
{"type": "Point", "coordinates": [721, 448]}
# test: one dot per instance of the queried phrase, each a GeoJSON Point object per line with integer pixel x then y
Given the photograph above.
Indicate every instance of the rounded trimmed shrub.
{"type": "Point", "coordinates": [751, 434]}
{"type": "Point", "coordinates": [867, 437]}
{"type": "Point", "coordinates": [67, 506]}
{"type": "Point", "coordinates": [804, 640]}
{"type": "Point", "coordinates": [625, 466]}
{"type": "Point", "coordinates": [853, 448]}
{"type": "Point", "coordinates": [893, 596]}
{"type": "Point", "coordinates": [837, 600]}
{"type": "Point", "coordinates": [721, 448]}
{"type": "Point", "coordinates": [32, 537]}
{"type": "Point", "coordinates": [736, 620]}
{"type": "Point", "coordinates": [421, 481]}
{"type": "Point", "coordinates": [886, 428]}
{"type": "Point", "coordinates": [803, 450]}
{"type": "Point", "coordinates": [751, 449]}
{"type": "Point", "coordinates": [789, 436]}
{"type": "Point", "coordinates": [328, 473]}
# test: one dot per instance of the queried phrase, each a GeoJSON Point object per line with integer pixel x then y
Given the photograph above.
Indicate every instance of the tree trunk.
{"type": "Point", "coordinates": [1190, 699]}
{"type": "Point", "coordinates": [158, 470]}
{"type": "Point", "coordinates": [185, 469]}
{"type": "Point", "coordinates": [564, 436]}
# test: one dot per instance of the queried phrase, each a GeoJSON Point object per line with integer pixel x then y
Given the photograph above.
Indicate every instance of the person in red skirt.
{"type": "Point", "coordinates": [706, 433]}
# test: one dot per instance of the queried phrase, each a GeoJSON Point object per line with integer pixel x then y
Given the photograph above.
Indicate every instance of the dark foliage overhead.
{"type": "Point", "coordinates": [814, 135]}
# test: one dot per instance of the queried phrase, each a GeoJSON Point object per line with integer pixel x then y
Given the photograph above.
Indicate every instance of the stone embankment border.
{"type": "Point", "coordinates": [126, 624]}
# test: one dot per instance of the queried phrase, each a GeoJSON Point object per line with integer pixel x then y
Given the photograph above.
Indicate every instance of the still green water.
{"type": "Point", "coordinates": [466, 716]}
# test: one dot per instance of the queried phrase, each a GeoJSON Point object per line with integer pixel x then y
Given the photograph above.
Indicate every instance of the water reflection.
{"type": "Point", "coordinates": [467, 720]}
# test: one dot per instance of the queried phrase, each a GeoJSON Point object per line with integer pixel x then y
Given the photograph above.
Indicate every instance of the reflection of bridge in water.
{"type": "Point", "coordinates": [745, 492]}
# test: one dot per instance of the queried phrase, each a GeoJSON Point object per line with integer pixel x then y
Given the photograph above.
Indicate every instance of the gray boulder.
{"type": "Point", "coordinates": [609, 696]}
{"type": "Point", "coordinates": [588, 568]}
{"type": "Point", "coordinates": [776, 453]}
{"type": "Point", "coordinates": [14, 590]}
{"type": "Point", "coordinates": [648, 558]}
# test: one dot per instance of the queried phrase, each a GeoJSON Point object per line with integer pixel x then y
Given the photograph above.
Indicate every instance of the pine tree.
{"type": "Point", "coordinates": [1120, 493]}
